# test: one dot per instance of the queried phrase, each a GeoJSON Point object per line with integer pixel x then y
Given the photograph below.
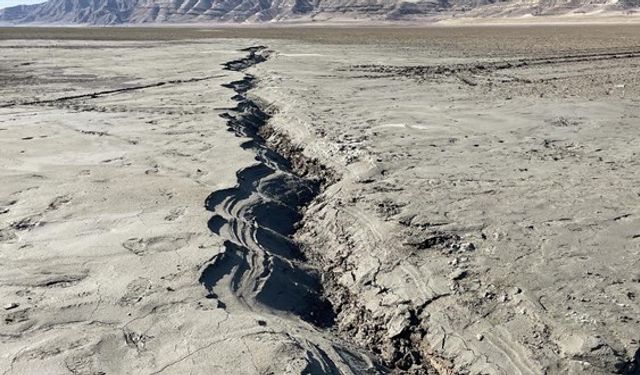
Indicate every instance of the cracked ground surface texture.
{"type": "Point", "coordinates": [482, 216]}
{"type": "Point", "coordinates": [108, 154]}
{"type": "Point", "coordinates": [487, 216]}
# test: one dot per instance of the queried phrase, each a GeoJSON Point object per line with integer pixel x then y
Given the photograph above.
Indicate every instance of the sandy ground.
{"type": "Point", "coordinates": [491, 202]}
{"type": "Point", "coordinates": [104, 233]}
{"type": "Point", "coordinates": [483, 217]}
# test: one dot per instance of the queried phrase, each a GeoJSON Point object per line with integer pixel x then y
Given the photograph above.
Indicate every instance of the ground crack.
{"type": "Point", "coordinates": [96, 94]}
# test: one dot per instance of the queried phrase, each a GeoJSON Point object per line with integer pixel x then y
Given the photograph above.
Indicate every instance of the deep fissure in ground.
{"type": "Point", "coordinates": [258, 218]}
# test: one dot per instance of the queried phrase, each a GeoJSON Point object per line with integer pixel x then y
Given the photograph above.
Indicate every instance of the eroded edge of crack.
{"type": "Point", "coordinates": [409, 355]}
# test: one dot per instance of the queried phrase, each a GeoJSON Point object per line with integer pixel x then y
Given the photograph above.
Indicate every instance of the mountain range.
{"type": "Point", "coordinates": [112, 12]}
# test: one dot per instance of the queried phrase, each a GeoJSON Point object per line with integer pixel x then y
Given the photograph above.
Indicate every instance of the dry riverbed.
{"type": "Point", "coordinates": [462, 201]}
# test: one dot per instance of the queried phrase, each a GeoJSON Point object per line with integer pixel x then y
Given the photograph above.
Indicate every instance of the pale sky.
{"type": "Point", "coordinates": [10, 3]}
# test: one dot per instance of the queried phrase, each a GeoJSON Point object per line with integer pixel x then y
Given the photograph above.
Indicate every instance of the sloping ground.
{"type": "Point", "coordinates": [113, 12]}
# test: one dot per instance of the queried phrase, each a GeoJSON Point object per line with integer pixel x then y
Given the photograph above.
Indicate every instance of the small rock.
{"type": "Point", "coordinates": [522, 311]}
{"type": "Point", "coordinates": [458, 274]}
{"type": "Point", "coordinates": [467, 246]}
{"type": "Point", "coordinates": [398, 324]}
{"type": "Point", "coordinates": [11, 306]}
{"type": "Point", "coordinates": [479, 337]}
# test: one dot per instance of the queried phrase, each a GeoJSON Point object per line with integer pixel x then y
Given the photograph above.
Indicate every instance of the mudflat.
{"type": "Point", "coordinates": [320, 200]}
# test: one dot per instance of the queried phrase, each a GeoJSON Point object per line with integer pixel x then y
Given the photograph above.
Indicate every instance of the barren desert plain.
{"type": "Point", "coordinates": [320, 200]}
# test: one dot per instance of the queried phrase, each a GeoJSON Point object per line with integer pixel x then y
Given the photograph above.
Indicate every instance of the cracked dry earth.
{"type": "Point", "coordinates": [487, 215]}
{"type": "Point", "coordinates": [457, 206]}
{"type": "Point", "coordinates": [107, 157]}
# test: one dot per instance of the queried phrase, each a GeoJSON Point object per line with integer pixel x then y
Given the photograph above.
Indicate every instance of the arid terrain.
{"type": "Point", "coordinates": [230, 12]}
{"type": "Point", "coordinates": [440, 200]}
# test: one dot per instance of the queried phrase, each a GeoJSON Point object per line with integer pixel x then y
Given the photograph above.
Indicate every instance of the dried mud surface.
{"type": "Point", "coordinates": [111, 261]}
{"type": "Point", "coordinates": [440, 202]}
{"type": "Point", "coordinates": [486, 219]}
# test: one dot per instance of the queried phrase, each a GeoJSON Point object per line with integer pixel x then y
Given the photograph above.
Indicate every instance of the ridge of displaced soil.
{"type": "Point", "coordinates": [435, 237]}
{"type": "Point", "coordinates": [258, 218]}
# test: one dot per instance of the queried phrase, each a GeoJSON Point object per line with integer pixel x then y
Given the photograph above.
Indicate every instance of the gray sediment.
{"type": "Point", "coordinates": [258, 217]}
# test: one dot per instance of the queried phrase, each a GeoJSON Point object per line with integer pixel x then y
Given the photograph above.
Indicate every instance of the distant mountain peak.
{"type": "Point", "coordinates": [112, 12]}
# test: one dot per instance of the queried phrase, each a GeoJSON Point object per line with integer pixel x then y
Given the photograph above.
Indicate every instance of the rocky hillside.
{"type": "Point", "coordinates": [179, 11]}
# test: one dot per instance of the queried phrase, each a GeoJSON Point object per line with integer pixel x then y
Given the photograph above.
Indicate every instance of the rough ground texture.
{"type": "Point", "coordinates": [487, 216]}
{"type": "Point", "coordinates": [460, 205]}
{"type": "Point", "coordinates": [111, 12]}
{"type": "Point", "coordinates": [106, 261]}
